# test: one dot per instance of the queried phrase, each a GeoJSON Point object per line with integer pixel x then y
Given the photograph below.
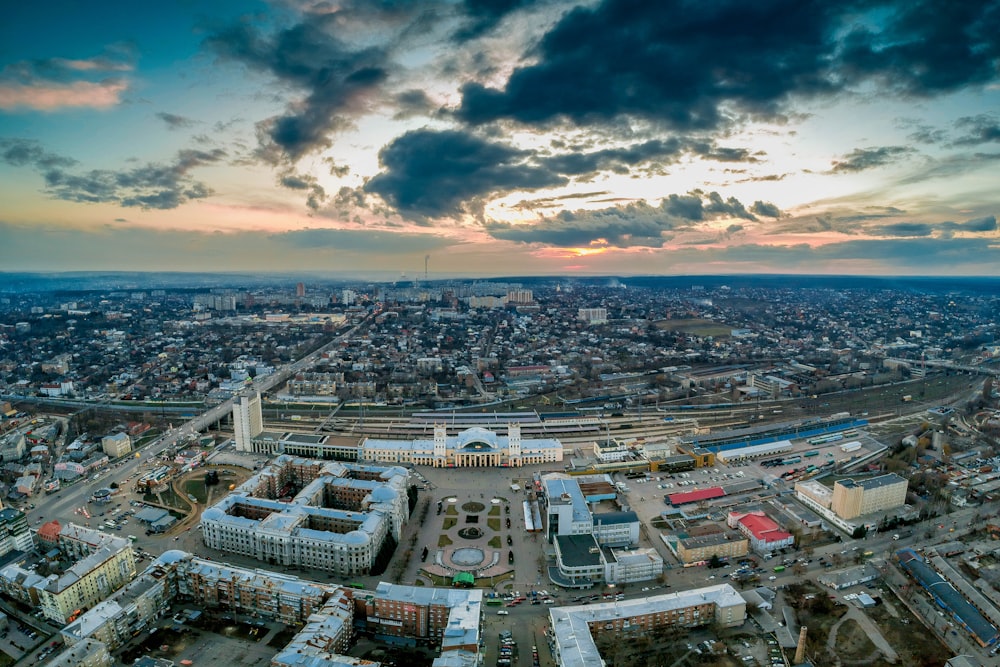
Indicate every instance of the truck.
{"type": "Point", "coordinates": [907, 398]}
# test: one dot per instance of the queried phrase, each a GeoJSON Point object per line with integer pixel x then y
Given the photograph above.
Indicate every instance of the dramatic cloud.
{"type": "Point", "coordinates": [634, 224]}
{"type": "Point", "coordinates": [152, 186]}
{"type": "Point", "coordinates": [981, 129]}
{"type": "Point", "coordinates": [766, 209]}
{"type": "Point", "coordinates": [60, 83]}
{"type": "Point", "coordinates": [697, 206]}
{"type": "Point", "coordinates": [664, 61]}
{"type": "Point", "coordinates": [310, 57]}
{"type": "Point", "coordinates": [637, 224]}
{"type": "Point", "coordinates": [434, 174]}
{"type": "Point", "coordinates": [175, 122]}
{"type": "Point", "coordinates": [861, 159]}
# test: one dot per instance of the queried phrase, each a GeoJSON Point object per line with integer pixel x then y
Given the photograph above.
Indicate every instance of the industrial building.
{"type": "Point", "coordinates": [948, 598]}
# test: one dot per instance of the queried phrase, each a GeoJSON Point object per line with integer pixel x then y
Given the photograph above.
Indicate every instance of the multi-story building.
{"type": "Point", "coordinates": [116, 445]}
{"type": "Point", "coordinates": [631, 565]}
{"type": "Point", "coordinates": [573, 630]}
{"type": "Point", "coordinates": [613, 450]}
{"type": "Point", "coordinates": [319, 514]}
{"type": "Point", "coordinates": [473, 447]}
{"type": "Point", "coordinates": [87, 653]}
{"type": "Point", "coordinates": [248, 421]}
{"type": "Point", "coordinates": [852, 498]}
{"type": "Point", "coordinates": [593, 315]}
{"type": "Point", "coordinates": [104, 563]}
{"type": "Point", "coordinates": [567, 512]}
{"type": "Point", "coordinates": [306, 445]}
{"type": "Point", "coordinates": [14, 532]}
{"type": "Point", "coordinates": [442, 617]}
{"type": "Point", "coordinates": [764, 534]}
{"type": "Point", "coordinates": [697, 548]}
{"type": "Point", "coordinates": [581, 562]}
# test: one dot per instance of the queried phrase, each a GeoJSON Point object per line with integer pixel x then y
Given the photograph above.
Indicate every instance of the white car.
{"type": "Point", "coordinates": [503, 612]}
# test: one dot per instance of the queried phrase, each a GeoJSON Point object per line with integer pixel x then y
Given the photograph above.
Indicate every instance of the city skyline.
{"type": "Point", "coordinates": [502, 138]}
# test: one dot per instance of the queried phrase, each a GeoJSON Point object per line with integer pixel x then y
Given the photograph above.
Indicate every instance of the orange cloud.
{"type": "Point", "coordinates": [50, 96]}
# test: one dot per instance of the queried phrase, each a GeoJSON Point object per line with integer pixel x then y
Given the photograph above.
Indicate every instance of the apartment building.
{"type": "Point", "coordinates": [248, 421]}
{"type": "Point", "coordinates": [572, 630]}
{"type": "Point", "coordinates": [852, 498]}
{"type": "Point", "coordinates": [319, 514]}
{"type": "Point", "coordinates": [116, 445]}
{"type": "Point", "coordinates": [14, 532]}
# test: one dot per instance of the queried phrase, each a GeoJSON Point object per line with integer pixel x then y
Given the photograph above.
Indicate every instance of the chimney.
{"type": "Point", "coordinates": [800, 650]}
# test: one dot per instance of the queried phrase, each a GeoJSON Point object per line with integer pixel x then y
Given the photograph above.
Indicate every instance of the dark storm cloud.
{"type": "Point", "coordinates": [697, 206]}
{"type": "Point", "coordinates": [434, 174]}
{"type": "Point", "coordinates": [766, 209]}
{"type": "Point", "coordinates": [688, 64]}
{"type": "Point", "coordinates": [925, 47]}
{"type": "Point", "coordinates": [334, 77]}
{"type": "Point", "coordinates": [175, 122]}
{"type": "Point", "coordinates": [861, 159]}
{"type": "Point", "coordinates": [637, 224]}
{"type": "Point", "coordinates": [616, 159]}
{"type": "Point", "coordinates": [151, 186]}
{"type": "Point", "coordinates": [363, 240]}
{"type": "Point", "coordinates": [663, 61]}
{"type": "Point", "coordinates": [633, 224]}
{"type": "Point", "coordinates": [981, 129]}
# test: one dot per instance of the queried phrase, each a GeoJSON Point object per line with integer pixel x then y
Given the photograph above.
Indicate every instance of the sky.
{"type": "Point", "coordinates": [501, 137]}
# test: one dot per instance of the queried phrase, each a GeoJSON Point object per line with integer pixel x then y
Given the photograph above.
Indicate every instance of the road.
{"type": "Point", "coordinates": [62, 505]}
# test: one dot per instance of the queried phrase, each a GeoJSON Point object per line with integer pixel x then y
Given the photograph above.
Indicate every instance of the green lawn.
{"type": "Point", "coordinates": [494, 524]}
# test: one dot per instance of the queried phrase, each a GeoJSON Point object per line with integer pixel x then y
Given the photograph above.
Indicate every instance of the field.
{"type": "Point", "coordinates": [695, 327]}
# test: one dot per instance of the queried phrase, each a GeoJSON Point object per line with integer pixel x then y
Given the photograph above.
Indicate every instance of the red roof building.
{"type": "Point", "coordinates": [764, 534]}
{"type": "Point", "coordinates": [695, 496]}
{"type": "Point", "coordinates": [48, 534]}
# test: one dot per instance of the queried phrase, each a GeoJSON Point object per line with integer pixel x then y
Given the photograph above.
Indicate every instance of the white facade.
{"type": "Point", "coordinates": [630, 566]}
{"type": "Point", "coordinates": [248, 421]}
{"type": "Point", "coordinates": [116, 445]}
{"type": "Point", "coordinates": [473, 447]}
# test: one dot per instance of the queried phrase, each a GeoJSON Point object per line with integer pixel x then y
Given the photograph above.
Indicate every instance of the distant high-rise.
{"type": "Point", "coordinates": [248, 421]}
{"type": "Point", "coordinates": [300, 289]}
{"type": "Point", "coordinates": [519, 295]}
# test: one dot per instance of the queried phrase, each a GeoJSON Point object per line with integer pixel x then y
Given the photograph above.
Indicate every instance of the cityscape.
{"type": "Point", "coordinates": [500, 333]}
{"type": "Point", "coordinates": [727, 470]}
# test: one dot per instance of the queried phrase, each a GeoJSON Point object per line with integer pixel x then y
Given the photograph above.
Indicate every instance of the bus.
{"type": "Point", "coordinates": [494, 601]}
{"type": "Point", "coordinates": [779, 568]}
{"type": "Point", "coordinates": [132, 538]}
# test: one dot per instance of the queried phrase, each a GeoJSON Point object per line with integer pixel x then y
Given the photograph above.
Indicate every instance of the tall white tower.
{"type": "Point", "coordinates": [514, 443]}
{"type": "Point", "coordinates": [248, 421]}
{"type": "Point", "coordinates": [440, 442]}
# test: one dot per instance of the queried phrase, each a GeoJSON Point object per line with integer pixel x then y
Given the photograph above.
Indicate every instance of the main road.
{"type": "Point", "coordinates": [62, 504]}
